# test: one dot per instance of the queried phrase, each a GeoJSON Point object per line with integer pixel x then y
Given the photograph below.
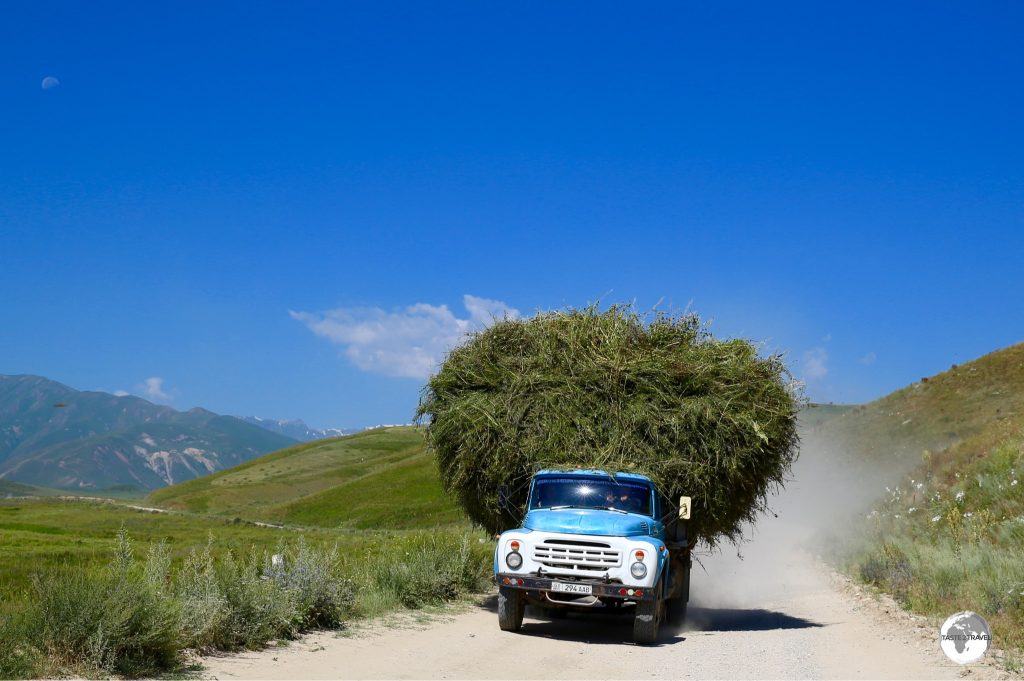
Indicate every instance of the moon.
{"type": "Point", "coordinates": [50, 82]}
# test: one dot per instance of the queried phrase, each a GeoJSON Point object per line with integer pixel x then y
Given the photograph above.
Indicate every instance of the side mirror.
{"type": "Point", "coordinates": [684, 508]}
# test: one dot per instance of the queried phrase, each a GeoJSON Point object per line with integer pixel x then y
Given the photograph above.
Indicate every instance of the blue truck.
{"type": "Point", "coordinates": [592, 541]}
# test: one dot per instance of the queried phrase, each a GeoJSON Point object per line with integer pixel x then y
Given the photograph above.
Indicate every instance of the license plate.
{"type": "Point", "coordinates": [572, 588]}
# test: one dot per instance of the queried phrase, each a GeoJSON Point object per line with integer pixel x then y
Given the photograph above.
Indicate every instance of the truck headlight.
{"type": "Point", "coordinates": [638, 570]}
{"type": "Point", "coordinates": [515, 560]}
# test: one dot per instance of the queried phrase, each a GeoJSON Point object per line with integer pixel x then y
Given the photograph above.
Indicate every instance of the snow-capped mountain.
{"type": "Point", "coordinates": [297, 428]}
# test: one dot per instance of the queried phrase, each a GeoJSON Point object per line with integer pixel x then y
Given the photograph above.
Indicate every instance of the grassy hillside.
{"type": "Point", "coordinates": [377, 478]}
{"type": "Point", "coordinates": [946, 532]}
{"type": "Point", "coordinates": [985, 395]}
{"type": "Point", "coordinates": [16, 489]}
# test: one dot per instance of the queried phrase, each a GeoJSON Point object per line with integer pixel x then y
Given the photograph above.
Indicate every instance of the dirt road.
{"type": "Point", "coordinates": [788, 618]}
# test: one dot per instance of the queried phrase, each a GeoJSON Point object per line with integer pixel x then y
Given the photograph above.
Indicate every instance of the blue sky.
{"type": "Point", "coordinates": [247, 202]}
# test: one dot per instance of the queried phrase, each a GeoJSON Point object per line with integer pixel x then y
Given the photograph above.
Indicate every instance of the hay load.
{"type": "Point", "coordinates": [618, 391]}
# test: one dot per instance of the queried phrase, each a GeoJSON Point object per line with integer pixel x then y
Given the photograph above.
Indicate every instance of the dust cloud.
{"type": "Point", "coordinates": [828, 494]}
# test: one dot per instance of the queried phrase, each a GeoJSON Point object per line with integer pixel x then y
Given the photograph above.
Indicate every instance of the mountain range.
{"type": "Point", "coordinates": [58, 437]}
{"type": "Point", "coordinates": [297, 428]}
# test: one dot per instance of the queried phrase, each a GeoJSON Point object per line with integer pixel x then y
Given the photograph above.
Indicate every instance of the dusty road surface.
{"type": "Point", "coordinates": [773, 615]}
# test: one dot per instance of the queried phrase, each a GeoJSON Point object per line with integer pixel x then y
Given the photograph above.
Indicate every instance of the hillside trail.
{"type": "Point", "coordinates": [778, 613]}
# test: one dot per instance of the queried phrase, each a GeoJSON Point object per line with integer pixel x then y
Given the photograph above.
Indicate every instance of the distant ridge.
{"type": "Point", "coordinates": [297, 428]}
{"type": "Point", "coordinates": [57, 437]}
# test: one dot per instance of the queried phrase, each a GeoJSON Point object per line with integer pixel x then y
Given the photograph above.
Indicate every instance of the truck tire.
{"type": "Point", "coordinates": [646, 621]}
{"type": "Point", "coordinates": [675, 611]}
{"type": "Point", "coordinates": [511, 607]}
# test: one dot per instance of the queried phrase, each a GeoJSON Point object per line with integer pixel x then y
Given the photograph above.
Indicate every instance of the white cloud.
{"type": "Point", "coordinates": [153, 388]}
{"type": "Point", "coordinates": [121, 393]}
{"type": "Point", "coordinates": [815, 364]}
{"type": "Point", "coordinates": [408, 342]}
{"type": "Point", "coordinates": [868, 359]}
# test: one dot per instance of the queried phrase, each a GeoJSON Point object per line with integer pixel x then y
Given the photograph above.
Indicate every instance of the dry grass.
{"type": "Point", "coordinates": [618, 391]}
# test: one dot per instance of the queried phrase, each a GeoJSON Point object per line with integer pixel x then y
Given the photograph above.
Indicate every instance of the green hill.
{"type": "Point", "coordinates": [54, 436]}
{"type": "Point", "coordinates": [377, 478]}
{"type": "Point", "coordinates": [985, 395]}
{"type": "Point", "coordinates": [10, 489]}
{"type": "Point", "coordinates": [941, 463]}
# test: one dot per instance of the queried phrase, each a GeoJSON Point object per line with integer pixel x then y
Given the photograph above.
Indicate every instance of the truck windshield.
{"type": "Point", "coordinates": [577, 492]}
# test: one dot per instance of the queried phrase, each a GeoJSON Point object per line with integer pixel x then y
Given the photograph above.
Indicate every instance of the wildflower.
{"type": "Point", "coordinates": [911, 509]}
{"type": "Point", "coordinates": [960, 495]}
{"type": "Point", "coordinates": [1013, 484]}
{"type": "Point", "coordinates": [936, 518]}
{"type": "Point", "coordinates": [968, 514]}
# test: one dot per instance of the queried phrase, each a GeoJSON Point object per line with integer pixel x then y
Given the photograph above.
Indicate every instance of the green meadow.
{"type": "Point", "coordinates": [364, 514]}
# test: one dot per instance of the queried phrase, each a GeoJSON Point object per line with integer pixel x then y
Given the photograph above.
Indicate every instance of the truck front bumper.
{"type": "Point", "coordinates": [600, 589]}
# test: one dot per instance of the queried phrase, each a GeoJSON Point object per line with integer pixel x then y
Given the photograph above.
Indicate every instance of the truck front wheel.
{"type": "Point", "coordinates": [647, 620]}
{"type": "Point", "coordinates": [511, 606]}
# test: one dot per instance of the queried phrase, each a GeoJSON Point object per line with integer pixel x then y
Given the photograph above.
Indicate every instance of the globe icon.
{"type": "Point", "coordinates": [964, 637]}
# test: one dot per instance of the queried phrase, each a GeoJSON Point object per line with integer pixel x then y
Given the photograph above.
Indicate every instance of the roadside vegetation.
{"type": "Point", "coordinates": [951, 538]}
{"type": "Point", "coordinates": [949, 534]}
{"type": "Point", "coordinates": [91, 589]}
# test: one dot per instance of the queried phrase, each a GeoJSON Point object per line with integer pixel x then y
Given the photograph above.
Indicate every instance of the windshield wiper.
{"type": "Point", "coordinates": [595, 508]}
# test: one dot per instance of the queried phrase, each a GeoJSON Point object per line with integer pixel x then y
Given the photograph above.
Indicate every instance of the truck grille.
{"type": "Point", "coordinates": [583, 556]}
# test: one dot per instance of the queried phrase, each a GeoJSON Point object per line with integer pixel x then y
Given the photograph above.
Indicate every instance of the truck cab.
{"type": "Point", "coordinates": [595, 541]}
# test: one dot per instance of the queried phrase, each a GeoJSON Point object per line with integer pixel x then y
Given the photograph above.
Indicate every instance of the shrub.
{"type": "Point", "coordinates": [243, 603]}
{"type": "Point", "coordinates": [204, 610]}
{"type": "Point", "coordinates": [433, 571]}
{"type": "Point", "coordinates": [322, 597]}
{"type": "Point", "coordinates": [257, 609]}
{"type": "Point", "coordinates": [18, 658]}
{"type": "Point", "coordinates": [112, 619]}
{"type": "Point", "coordinates": [134, 619]}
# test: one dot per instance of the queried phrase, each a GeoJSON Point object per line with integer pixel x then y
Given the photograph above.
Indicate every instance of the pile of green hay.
{"type": "Point", "coordinates": [618, 391]}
